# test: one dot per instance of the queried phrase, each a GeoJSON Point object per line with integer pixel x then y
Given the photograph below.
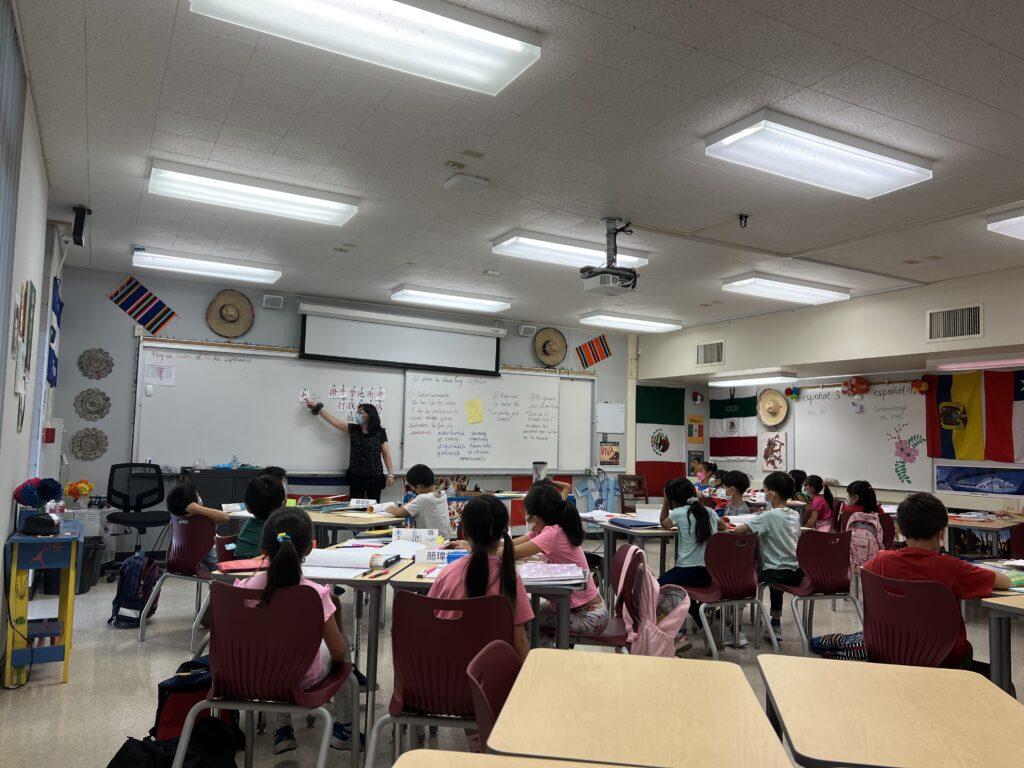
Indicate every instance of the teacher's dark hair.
{"type": "Point", "coordinates": [372, 418]}
{"type": "Point", "coordinates": [545, 502]}
{"type": "Point", "coordinates": [287, 536]}
{"type": "Point", "coordinates": [485, 522]}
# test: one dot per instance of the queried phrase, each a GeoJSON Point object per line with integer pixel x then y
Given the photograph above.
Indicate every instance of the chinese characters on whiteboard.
{"type": "Point", "coordinates": [349, 398]}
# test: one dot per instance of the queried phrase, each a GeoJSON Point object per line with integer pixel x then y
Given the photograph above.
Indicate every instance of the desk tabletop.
{"type": "Point", "coordinates": [655, 531]}
{"type": "Point", "coordinates": [1005, 603]}
{"type": "Point", "coordinates": [410, 577]}
{"type": "Point", "coordinates": [914, 717]}
{"type": "Point", "coordinates": [354, 521]}
{"type": "Point", "coordinates": [374, 577]}
{"type": "Point", "coordinates": [998, 524]}
{"type": "Point", "coordinates": [635, 710]}
{"type": "Point", "coordinates": [436, 758]}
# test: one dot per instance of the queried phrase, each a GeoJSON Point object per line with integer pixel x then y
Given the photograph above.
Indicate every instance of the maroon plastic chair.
{"type": "Point", "coordinates": [824, 559]}
{"type": "Point", "coordinates": [492, 673]}
{"type": "Point", "coordinates": [837, 515]}
{"type": "Point", "coordinates": [908, 622]}
{"type": "Point", "coordinates": [221, 543]}
{"type": "Point", "coordinates": [731, 560]}
{"type": "Point", "coordinates": [1017, 541]}
{"type": "Point", "coordinates": [432, 643]}
{"type": "Point", "coordinates": [191, 540]}
{"type": "Point", "coordinates": [888, 529]}
{"type": "Point", "coordinates": [624, 567]}
{"type": "Point", "coordinates": [258, 657]}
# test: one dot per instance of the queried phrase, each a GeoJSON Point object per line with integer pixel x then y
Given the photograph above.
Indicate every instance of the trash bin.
{"type": "Point", "coordinates": [92, 564]}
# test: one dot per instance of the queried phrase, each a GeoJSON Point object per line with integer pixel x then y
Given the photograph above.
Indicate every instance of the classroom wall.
{"type": "Point", "coordinates": [91, 320]}
{"type": "Point", "coordinates": [866, 328]}
{"type": "Point", "coordinates": [30, 255]}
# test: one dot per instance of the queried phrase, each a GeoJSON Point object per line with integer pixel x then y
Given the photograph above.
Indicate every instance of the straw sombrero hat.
{"type": "Point", "coordinates": [772, 407]}
{"type": "Point", "coordinates": [550, 347]}
{"type": "Point", "coordinates": [230, 314]}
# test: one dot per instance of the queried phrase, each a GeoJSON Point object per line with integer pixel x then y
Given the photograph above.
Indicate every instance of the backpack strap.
{"type": "Point", "coordinates": [630, 554]}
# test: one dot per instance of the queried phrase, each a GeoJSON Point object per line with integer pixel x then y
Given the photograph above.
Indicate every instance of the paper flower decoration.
{"type": "Point", "coordinates": [697, 397]}
{"type": "Point", "coordinates": [79, 489]}
{"type": "Point", "coordinates": [919, 385]}
{"type": "Point", "coordinates": [35, 492]}
{"type": "Point", "coordinates": [793, 393]}
{"type": "Point", "coordinates": [858, 385]}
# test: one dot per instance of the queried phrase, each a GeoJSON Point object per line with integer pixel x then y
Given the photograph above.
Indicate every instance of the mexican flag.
{"type": "Point", "coordinates": [660, 436]}
{"type": "Point", "coordinates": [733, 423]}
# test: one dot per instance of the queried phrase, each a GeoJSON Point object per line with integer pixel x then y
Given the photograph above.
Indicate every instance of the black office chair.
{"type": "Point", "coordinates": [132, 488]}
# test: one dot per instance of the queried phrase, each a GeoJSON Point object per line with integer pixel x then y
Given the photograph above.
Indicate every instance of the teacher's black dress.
{"type": "Point", "coordinates": [365, 472]}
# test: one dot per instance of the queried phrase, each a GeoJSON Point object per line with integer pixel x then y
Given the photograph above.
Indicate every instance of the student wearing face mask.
{"type": "Point", "coordinates": [368, 445]}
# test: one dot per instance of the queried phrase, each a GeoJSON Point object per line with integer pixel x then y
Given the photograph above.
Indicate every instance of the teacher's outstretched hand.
{"type": "Point", "coordinates": [368, 442]}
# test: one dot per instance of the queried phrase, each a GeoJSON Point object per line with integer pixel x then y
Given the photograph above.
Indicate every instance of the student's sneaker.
{"type": "Point", "coordinates": [740, 642]}
{"type": "Point", "coordinates": [341, 737]}
{"type": "Point", "coordinates": [284, 740]}
{"type": "Point", "coordinates": [776, 628]}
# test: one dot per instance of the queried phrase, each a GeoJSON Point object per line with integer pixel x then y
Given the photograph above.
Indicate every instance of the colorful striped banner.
{"type": "Point", "coordinates": [142, 305]}
{"type": "Point", "coordinates": [594, 351]}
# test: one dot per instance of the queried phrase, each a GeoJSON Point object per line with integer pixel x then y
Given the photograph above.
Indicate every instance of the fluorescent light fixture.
{"type": "Point", "coordinates": [434, 297]}
{"type": "Point", "coordinates": [754, 378]}
{"type": "Point", "coordinates": [975, 364]}
{"type": "Point", "coordinates": [1009, 223]}
{"type": "Point", "coordinates": [766, 286]}
{"type": "Point", "coordinates": [632, 323]}
{"type": "Point", "coordinates": [561, 250]}
{"type": "Point", "coordinates": [406, 321]}
{"type": "Point", "coordinates": [427, 38]}
{"type": "Point", "coordinates": [202, 185]}
{"type": "Point", "coordinates": [188, 265]}
{"type": "Point", "coordinates": [812, 154]}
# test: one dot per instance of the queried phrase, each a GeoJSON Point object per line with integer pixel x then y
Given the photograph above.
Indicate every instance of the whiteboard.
{"type": "Point", "coordinates": [516, 421]}
{"type": "Point", "coordinates": [226, 403]}
{"type": "Point", "coordinates": [833, 441]}
{"type": "Point", "coordinates": [575, 429]}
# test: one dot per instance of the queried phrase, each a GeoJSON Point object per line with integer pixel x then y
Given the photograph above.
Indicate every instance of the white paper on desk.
{"type": "Point", "coordinates": [405, 549]}
{"type": "Point", "coordinates": [547, 573]}
{"type": "Point", "coordinates": [232, 508]}
{"type": "Point", "coordinates": [1014, 563]}
{"type": "Point", "coordinates": [367, 514]}
{"type": "Point", "coordinates": [361, 503]}
{"type": "Point", "coordinates": [240, 514]}
{"type": "Point", "coordinates": [320, 573]}
{"type": "Point", "coordinates": [346, 557]}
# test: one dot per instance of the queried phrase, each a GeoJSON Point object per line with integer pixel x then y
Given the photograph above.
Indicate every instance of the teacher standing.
{"type": "Point", "coordinates": [368, 442]}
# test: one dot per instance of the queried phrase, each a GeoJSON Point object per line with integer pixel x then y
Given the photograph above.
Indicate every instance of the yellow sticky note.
{"type": "Point", "coordinates": [474, 411]}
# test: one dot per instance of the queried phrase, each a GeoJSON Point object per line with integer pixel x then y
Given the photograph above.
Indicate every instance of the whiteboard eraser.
{"type": "Point", "coordinates": [149, 390]}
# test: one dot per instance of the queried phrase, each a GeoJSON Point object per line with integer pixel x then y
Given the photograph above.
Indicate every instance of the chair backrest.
{"type": "Point", "coordinates": [731, 560]}
{"type": "Point", "coordinates": [824, 557]}
{"type": "Point", "coordinates": [888, 529]}
{"type": "Point", "coordinates": [633, 487]}
{"type": "Point", "coordinates": [625, 565]}
{"type": "Point", "coordinates": [1017, 541]}
{"type": "Point", "coordinates": [263, 652]}
{"type": "Point", "coordinates": [908, 622]}
{"type": "Point", "coordinates": [432, 643]}
{"type": "Point", "coordinates": [221, 543]}
{"type": "Point", "coordinates": [837, 515]}
{"type": "Point", "coordinates": [191, 541]}
{"type": "Point", "coordinates": [491, 673]}
{"type": "Point", "coordinates": [134, 487]}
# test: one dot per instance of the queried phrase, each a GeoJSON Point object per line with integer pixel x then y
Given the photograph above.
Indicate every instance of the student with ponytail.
{"type": "Point", "coordinates": [490, 567]}
{"type": "Point", "coordinates": [287, 539]}
{"type": "Point", "coordinates": [820, 515]}
{"type": "Point", "coordinates": [556, 532]}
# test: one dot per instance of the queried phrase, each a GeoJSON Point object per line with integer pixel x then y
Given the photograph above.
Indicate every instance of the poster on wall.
{"type": "Point", "coordinates": [772, 450]}
{"type": "Point", "coordinates": [30, 315]}
{"type": "Point", "coordinates": [989, 481]}
{"type": "Point", "coordinates": [610, 454]}
{"type": "Point", "coordinates": [695, 430]}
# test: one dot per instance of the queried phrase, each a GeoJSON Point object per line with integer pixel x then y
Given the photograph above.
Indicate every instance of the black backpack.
{"type": "Point", "coordinates": [135, 583]}
{"type": "Point", "coordinates": [213, 745]}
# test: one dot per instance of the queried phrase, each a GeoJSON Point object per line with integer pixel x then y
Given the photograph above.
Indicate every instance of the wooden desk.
{"type": "Point", "coordinates": [912, 717]}
{"type": "Point", "coordinates": [557, 594]}
{"type": "Point", "coordinates": [1001, 613]}
{"type": "Point", "coordinates": [635, 710]}
{"type": "Point", "coordinates": [436, 758]}
{"type": "Point", "coordinates": [636, 536]}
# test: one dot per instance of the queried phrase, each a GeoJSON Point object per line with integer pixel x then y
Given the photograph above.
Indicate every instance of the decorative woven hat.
{"type": "Point", "coordinates": [550, 347]}
{"type": "Point", "coordinates": [230, 314]}
{"type": "Point", "coordinates": [772, 407]}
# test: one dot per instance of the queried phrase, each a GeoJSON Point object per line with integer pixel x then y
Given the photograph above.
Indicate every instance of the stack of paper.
{"type": "Point", "coordinates": [550, 573]}
{"type": "Point", "coordinates": [363, 558]}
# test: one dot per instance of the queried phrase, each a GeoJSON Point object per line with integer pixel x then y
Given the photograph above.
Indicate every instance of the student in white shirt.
{"type": "Point", "coordinates": [429, 508]}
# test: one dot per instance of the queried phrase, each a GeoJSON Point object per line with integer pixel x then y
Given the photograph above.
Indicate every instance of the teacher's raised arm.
{"type": "Point", "coordinates": [369, 448]}
{"type": "Point", "coordinates": [318, 409]}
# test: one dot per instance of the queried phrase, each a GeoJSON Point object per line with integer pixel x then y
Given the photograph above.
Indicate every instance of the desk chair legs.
{"type": "Point", "coordinates": [757, 616]}
{"type": "Point", "coordinates": [805, 623]}
{"type": "Point", "coordinates": [198, 622]}
{"type": "Point", "coordinates": [200, 605]}
{"type": "Point", "coordinates": [149, 605]}
{"type": "Point", "coordinates": [403, 720]}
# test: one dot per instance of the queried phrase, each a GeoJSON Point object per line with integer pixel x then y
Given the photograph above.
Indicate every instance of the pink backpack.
{"type": "Point", "coordinates": [649, 635]}
{"type": "Point", "coordinates": [865, 538]}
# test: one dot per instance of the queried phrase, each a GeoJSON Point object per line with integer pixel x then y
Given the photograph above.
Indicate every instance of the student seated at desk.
{"type": "Point", "coordinates": [736, 483]}
{"type": "Point", "coordinates": [279, 474]}
{"type": "Point", "coordinates": [820, 516]}
{"type": "Point", "coordinates": [557, 533]}
{"type": "Point", "coordinates": [263, 495]}
{"type": "Point", "coordinates": [799, 477]}
{"type": "Point", "coordinates": [183, 501]}
{"type": "Point", "coordinates": [922, 519]}
{"type": "Point", "coordinates": [860, 497]}
{"type": "Point", "coordinates": [429, 507]}
{"type": "Point", "coordinates": [490, 567]}
{"type": "Point", "coordinates": [287, 537]}
{"type": "Point", "coordinates": [778, 531]}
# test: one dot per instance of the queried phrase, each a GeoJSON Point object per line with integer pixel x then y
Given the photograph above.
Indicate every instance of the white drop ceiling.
{"type": "Point", "coordinates": [611, 120]}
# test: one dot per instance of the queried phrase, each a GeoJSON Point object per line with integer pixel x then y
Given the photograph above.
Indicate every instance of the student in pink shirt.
{"type": "Point", "coordinates": [820, 516]}
{"type": "Point", "coordinates": [287, 539]}
{"type": "Point", "coordinates": [490, 568]}
{"type": "Point", "coordinates": [557, 534]}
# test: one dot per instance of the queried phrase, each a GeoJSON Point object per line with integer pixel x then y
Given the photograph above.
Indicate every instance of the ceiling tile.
{"type": "Point", "coordinates": [194, 76]}
{"type": "Point", "coordinates": [411, 100]}
{"type": "Point", "coordinates": [187, 125]}
{"type": "Point", "coordinates": [563, 109]}
{"type": "Point", "coordinates": [260, 118]}
{"type": "Point", "coordinates": [643, 54]}
{"type": "Point", "coordinates": [213, 50]}
{"type": "Point", "coordinates": [126, 112]}
{"type": "Point", "coordinates": [344, 83]}
{"type": "Point", "coordinates": [194, 103]}
{"type": "Point", "coordinates": [307, 151]}
{"type": "Point", "coordinates": [860, 81]}
{"type": "Point", "coordinates": [225, 153]}
{"type": "Point", "coordinates": [246, 138]}
{"type": "Point", "coordinates": [266, 93]}
{"type": "Point", "coordinates": [879, 25]}
{"type": "Point", "coordinates": [117, 85]}
{"type": "Point", "coordinates": [283, 61]}
{"type": "Point", "coordinates": [700, 72]}
{"type": "Point", "coordinates": [602, 84]}
{"type": "Point", "coordinates": [182, 145]}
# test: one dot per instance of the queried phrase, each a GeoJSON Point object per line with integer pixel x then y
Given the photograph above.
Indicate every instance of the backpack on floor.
{"type": "Point", "coordinates": [176, 695]}
{"type": "Point", "coordinates": [865, 538]}
{"type": "Point", "coordinates": [212, 745]}
{"type": "Point", "coordinates": [135, 583]}
{"type": "Point", "coordinates": [658, 629]}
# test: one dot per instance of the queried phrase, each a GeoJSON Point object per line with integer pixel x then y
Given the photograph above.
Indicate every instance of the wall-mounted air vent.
{"type": "Point", "coordinates": [954, 323]}
{"type": "Point", "coordinates": [711, 354]}
{"type": "Point", "coordinates": [272, 301]}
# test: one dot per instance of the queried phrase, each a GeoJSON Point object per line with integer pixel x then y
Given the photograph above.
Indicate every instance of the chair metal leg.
{"type": "Point", "coordinates": [149, 604]}
{"type": "Point", "coordinates": [250, 736]}
{"type": "Point", "coordinates": [201, 647]}
{"type": "Point", "coordinates": [371, 742]}
{"type": "Point", "coordinates": [261, 722]}
{"type": "Point", "coordinates": [708, 633]}
{"type": "Point", "coordinates": [186, 732]}
{"type": "Point", "coordinates": [801, 626]}
{"type": "Point", "coordinates": [199, 596]}
{"type": "Point", "coordinates": [768, 625]}
{"type": "Point", "coordinates": [198, 621]}
{"type": "Point", "coordinates": [860, 610]}
{"type": "Point", "coordinates": [355, 722]}
{"type": "Point", "coordinates": [325, 738]}
{"type": "Point", "coordinates": [755, 616]}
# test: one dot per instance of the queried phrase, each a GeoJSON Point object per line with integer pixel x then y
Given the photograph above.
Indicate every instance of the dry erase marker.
{"type": "Point", "coordinates": [381, 573]}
